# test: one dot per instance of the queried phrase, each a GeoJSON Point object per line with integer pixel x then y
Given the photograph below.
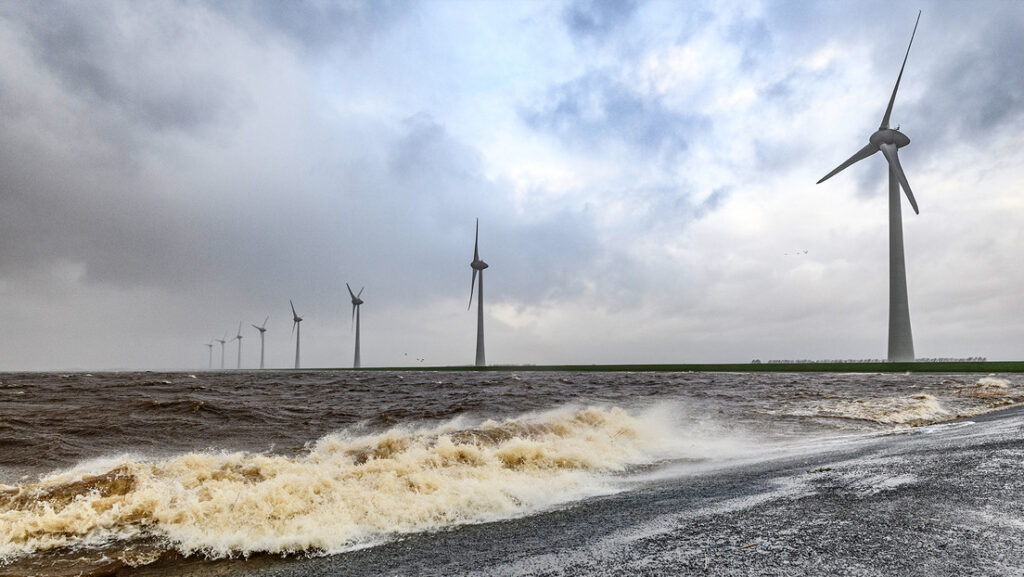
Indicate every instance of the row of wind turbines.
{"type": "Point", "coordinates": [477, 265]}
{"type": "Point", "coordinates": [885, 140]}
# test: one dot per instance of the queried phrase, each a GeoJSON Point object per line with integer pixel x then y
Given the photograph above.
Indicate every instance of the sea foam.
{"type": "Point", "coordinates": [346, 491]}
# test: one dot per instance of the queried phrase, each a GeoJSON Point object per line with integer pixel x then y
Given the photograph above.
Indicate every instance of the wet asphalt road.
{"type": "Point", "coordinates": [941, 500]}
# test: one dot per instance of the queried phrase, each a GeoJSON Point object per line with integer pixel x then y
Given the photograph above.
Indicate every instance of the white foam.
{"type": "Point", "coordinates": [347, 490]}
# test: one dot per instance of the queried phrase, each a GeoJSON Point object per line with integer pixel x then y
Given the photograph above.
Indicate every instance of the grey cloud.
{"type": "Point", "coordinates": [438, 183]}
{"type": "Point", "coordinates": [144, 65]}
{"type": "Point", "coordinates": [318, 25]}
{"type": "Point", "coordinates": [597, 108]}
{"type": "Point", "coordinates": [976, 87]}
{"type": "Point", "coordinates": [596, 18]}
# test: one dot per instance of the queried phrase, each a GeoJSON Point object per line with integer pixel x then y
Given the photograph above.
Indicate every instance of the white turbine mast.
{"type": "Point", "coordinates": [889, 141]}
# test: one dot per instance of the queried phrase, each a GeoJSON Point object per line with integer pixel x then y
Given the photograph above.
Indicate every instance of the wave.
{"type": "Point", "coordinates": [910, 410]}
{"type": "Point", "coordinates": [345, 491]}
{"type": "Point", "coordinates": [986, 395]}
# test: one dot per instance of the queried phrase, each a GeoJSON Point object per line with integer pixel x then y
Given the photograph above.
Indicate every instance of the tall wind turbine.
{"type": "Point", "coordinates": [478, 266]}
{"type": "Point", "coordinates": [222, 341]}
{"type": "Point", "coordinates": [356, 302]}
{"type": "Point", "coordinates": [238, 338]}
{"type": "Point", "coordinates": [210, 346]}
{"type": "Point", "coordinates": [262, 329]}
{"type": "Point", "coordinates": [888, 140]}
{"type": "Point", "coordinates": [296, 330]}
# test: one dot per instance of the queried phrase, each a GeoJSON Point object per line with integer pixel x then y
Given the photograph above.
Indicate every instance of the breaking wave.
{"type": "Point", "coordinates": [345, 491]}
{"type": "Point", "coordinates": [911, 410]}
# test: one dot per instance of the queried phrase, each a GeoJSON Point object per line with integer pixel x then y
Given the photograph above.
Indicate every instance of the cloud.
{"type": "Point", "coordinates": [596, 18]}
{"type": "Point", "coordinates": [142, 65]}
{"type": "Point", "coordinates": [599, 109]}
{"type": "Point", "coordinates": [640, 171]}
{"type": "Point", "coordinates": [318, 25]}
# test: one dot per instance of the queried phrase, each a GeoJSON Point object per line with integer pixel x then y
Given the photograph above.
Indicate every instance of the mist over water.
{"type": "Point", "coordinates": [133, 466]}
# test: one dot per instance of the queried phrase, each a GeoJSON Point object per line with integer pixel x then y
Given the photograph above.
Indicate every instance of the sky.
{"type": "Point", "coordinates": [643, 172]}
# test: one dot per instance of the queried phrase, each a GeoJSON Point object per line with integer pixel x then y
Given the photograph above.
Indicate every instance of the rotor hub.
{"type": "Point", "coordinates": [889, 136]}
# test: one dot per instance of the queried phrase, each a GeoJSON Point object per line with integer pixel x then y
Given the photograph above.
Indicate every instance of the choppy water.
{"type": "Point", "coordinates": [105, 471]}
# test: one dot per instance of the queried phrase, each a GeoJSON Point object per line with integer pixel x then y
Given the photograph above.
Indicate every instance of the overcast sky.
{"type": "Point", "coordinates": [644, 174]}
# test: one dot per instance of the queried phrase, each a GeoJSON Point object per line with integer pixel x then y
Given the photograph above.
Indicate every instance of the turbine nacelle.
{"type": "Point", "coordinates": [478, 265]}
{"type": "Point", "coordinates": [889, 136]}
{"type": "Point", "coordinates": [356, 301]}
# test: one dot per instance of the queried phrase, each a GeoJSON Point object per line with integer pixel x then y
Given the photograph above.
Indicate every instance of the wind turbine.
{"type": "Point", "coordinates": [888, 140]}
{"type": "Point", "coordinates": [478, 266]}
{"type": "Point", "coordinates": [262, 329]}
{"type": "Point", "coordinates": [238, 338]}
{"type": "Point", "coordinates": [222, 341]}
{"type": "Point", "coordinates": [296, 330]}
{"type": "Point", "coordinates": [356, 302]}
{"type": "Point", "coordinates": [210, 346]}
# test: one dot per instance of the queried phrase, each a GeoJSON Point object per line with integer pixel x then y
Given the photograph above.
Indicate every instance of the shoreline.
{"type": "Point", "coordinates": [980, 367]}
{"type": "Point", "coordinates": [945, 493]}
{"type": "Point", "coordinates": [985, 367]}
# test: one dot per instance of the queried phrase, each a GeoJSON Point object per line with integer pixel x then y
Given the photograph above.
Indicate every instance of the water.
{"type": "Point", "coordinates": [169, 473]}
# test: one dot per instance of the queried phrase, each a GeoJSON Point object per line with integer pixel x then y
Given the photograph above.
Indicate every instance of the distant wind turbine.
{"type": "Point", "coordinates": [210, 346]}
{"type": "Point", "coordinates": [222, 341]}
{"type": "Point", "coordinates": [888, 140]}
{"type": "Point", "coordinates": [478, 266]}
{"type": "Point", "coordinates": [356, 303]}
{"type": "Point", "coordinates": [262, 329]}
{"type": "Point", "coordinates": [238, 338]}
{"type": "Point", "coordinates": [296, 330]}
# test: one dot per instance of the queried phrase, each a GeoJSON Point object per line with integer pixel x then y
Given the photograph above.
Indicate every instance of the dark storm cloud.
{"type": "Point", "coordinates": [437, 186]}
{"type": "Point", "coordinates": [318, 24]}
{"type": "Point", "coordinates": [597, 108]}
{"type": "Point", "coordinates": [145, 68]}
{"type": "Point", "coordinates": [977, 85]}
{"type": "Point", "coordinates": [596, 18]}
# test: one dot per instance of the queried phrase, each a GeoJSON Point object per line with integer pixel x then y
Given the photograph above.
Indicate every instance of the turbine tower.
{"type": "Point", "coordinates": [296, 330]}
{"type": "Point", "coordinates": [238, 338]}
{"type": "Point", "coordinates": [210, 346]}
{"type": "Point", "coordinates": [262, 329]}
{"type": "Point", "coordinates": [356, 302]}
{"type": "Point", "coordinates": [478, 266]}
{"type": "Point", "coordinates": [888, 140]}
{"type": "Point", "coordinates": [222, 341]}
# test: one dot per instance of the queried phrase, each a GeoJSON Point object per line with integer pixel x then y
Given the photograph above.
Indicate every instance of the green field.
{"type": "Point", "coordinates": [922, 367]}
{"type": "Point", "coordinates": [915, 367]}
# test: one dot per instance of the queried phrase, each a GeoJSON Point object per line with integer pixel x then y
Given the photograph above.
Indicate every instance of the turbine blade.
{"type": "Point", "coordinates": [360, 293]}
{"type": "Point", "coordinates": [264, 325]}
{"type": "Point", "coordinates": [892, 99]}
{"type": "Point", "coordinates": [353, 314]}
{"type": "Point", "coordinates": [294, 314]}
{"type": "Point", "coordinates": [861, 154]}
{"type": "Point", "coordinates": [350, 293]}
{"type": "Point", "coordinates": [476, 242]}
{"type": "Point", "coordinates": [893, 157]}
{"type": "Point", "coordinates": [472, 286]}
